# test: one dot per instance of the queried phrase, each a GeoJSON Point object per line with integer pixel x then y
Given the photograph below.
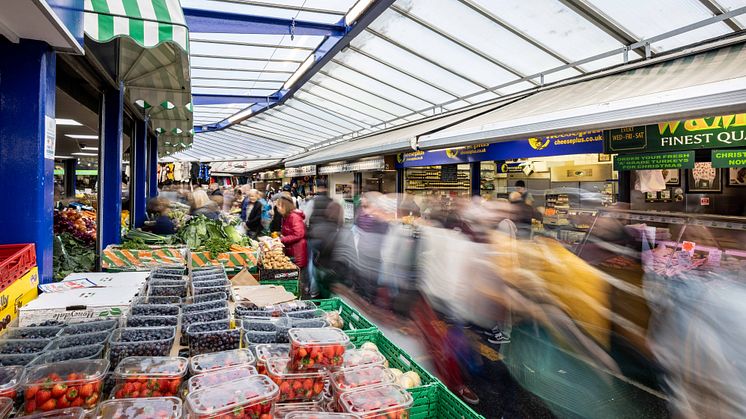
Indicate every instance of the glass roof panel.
{"type": "Point", "coordinates": [257, 10]}
{"type": "Point", "coordinates": [553, 24]}
{"type": "Point", "coordinates": [244, 84]}
{"type": "Point", "coordinates": [295, 125]}
{"type": "Point", "coordinates": [643, 19]}
{"type": "Point", "coordinates": [307, 121]}
{"type": "Point", "coordinates": [729, 5]}
{"type": "Point", "coordinates": [322, 115]}
{"type": "Point", "coordinates": [364, 96]}
{"type": "Point", "coordinates": [220, 74]}
{"type": "Point", "coordinates": [299, 41]}
{"type": "Point", "coordinates": [227, 91]}
{"type": "Point", "coordinates": [289, 132]}
{"type": "Point", "coordinates": [366, 115]}
{"type": "Point", "coordinates": [231, 50]}
{"type": "Point", "coordinates": [436, 48]}
{"type": "Point", "coordinates": [218, 63]}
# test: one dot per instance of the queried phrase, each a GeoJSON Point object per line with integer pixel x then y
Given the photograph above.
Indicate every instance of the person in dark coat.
{"type": "Point", "coordinates": [251, 212]}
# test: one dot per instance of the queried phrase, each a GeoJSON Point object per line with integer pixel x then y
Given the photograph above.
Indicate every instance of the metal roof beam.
{"type": "Point", "coordinates": [246, 44]}
{"type": "Point", "coordinates": [210, 99]}
{"type": "Point", "coordinates": [285, 7]}
{"type": "Point", "coordinates": [213, 21]}
{"type": "Point", "coordinates": [243, 70]}
{"type": "Point", "coordinates": [603, 22]}
{"type": "Point", "coordinates": [717, 11]}
{"type": "Point", "coordinates": [238, 79]}
{"type": "Point", "coordinates": [255, 59]}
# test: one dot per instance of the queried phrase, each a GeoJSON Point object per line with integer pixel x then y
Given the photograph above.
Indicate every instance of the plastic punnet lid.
{"type": "Point", "coordinates": [281, 410]}
{"type": "Point", "coordinates": [218, 377]}
{"type": "Point", "coordinates": [359, 357]}
{"type": "Point", "coordinates": [319, 336]}
{"type": "Point", "coordinates": [6, 405]}
{"type": "Point", "coordinates": [86, 369]}
{"type": "Point", "coordinates": [265, 351]}
{"type": "Point", "coordinates": [141, 408]}
{"type": "Point", "coordinates": [278, 367]}
{"type": "Point", "coordinates": [224, 398]}
{"type": "Point", "coordinates": [351, 378]}
{"type": "Point", "coordinates": [11, 378]}
{"type": "Point", "coordinates": [297, 305]}
{"type": "Point", "coordinates": [322, 415]}
{"type": "Point", "coordinates": [220, 360]}
{"type": "Point", "coordinates": [66, 413]}
{"type": "Point", "coordinates": [151, 366]}
{"type": "Point", "coordinates": [377, 400]}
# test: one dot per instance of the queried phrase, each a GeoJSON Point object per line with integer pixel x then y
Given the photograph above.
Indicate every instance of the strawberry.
{"type": "Point", "coordinates": [86, 390]}
{"type": "Point", "coordinates": [62, 403]}
{"type": "Point", "coordinates": [77, 402]}
{"type": "Point", "coordinates": [42, 396]}
{"type": "Point", "coordinates": [59, 390]}
{"type": "Point", "coordinates": [50, 404]}
{"type": "Point", "coordinates": [91, 401]}
{"type": "Point", "coordinates": [31, 392]}
{"type": "Point", "coordinates": [30, 406]}
{"type": "Point", "coordinates": [72, 393]}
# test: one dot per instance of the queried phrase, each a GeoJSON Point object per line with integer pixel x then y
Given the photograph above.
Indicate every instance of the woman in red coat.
{"type": "Point", "coordinates": [294, 237]}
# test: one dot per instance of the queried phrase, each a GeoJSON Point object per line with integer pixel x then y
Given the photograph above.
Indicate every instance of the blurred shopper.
{"type": "Point", "coordinates": [163, 225]}
{"type": "Point", "coordinates": [237, 202]}
{"type": "Point", "coordinates": [266, 212]}
{"type": "Point", "coordinates": [371, 227]}
{"type": "Point", "coordinates": [521, 215]}
{"type": "Point", "coordinates": [276, 224]}
{"type": "Point", "coordinates": [203, 205]}
{"type": "Point", "coordinates": [251, 213]}
{"type": "Point", "coordinates": [215, 189]}
{"type": "Point", "coordinates": [294, 238]}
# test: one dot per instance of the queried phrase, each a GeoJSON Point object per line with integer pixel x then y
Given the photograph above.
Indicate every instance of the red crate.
{"type": "Point", "coordinates": [15, 261]}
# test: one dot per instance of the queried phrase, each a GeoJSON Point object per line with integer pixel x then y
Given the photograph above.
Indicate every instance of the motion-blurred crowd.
{"type": "Point", "coordinates": [598, 333]}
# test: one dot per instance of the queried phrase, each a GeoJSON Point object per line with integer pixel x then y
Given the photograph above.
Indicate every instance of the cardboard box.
{"type": "Point", "coordinates": [134, 280]}
{"type": "Point", "coordinates": [18, 294]}
{"type": "Point", "coordinates": [78, 305]}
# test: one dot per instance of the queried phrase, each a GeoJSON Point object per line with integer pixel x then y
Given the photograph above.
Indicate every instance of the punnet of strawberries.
{"type": "Point", "coordinates": [76, 383]}
{"type": "Point", "coordinates": [317, 348]}
{"type": "Point", "coordinates": [296, 386]}
{"type": "Point", "coordinates": [247, 398]}
{"type": "Point", "coordinates": [149, 376]}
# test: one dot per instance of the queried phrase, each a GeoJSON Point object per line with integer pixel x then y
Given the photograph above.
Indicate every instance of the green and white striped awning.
{"type": "Point", "coordinates": [153, 61]}
{"type": "Point", "coordinates": [147, 22]}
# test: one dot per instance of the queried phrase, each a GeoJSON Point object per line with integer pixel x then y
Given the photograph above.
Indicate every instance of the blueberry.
{"type": "Point", "coordinates": [214, 341]}
{"type": "Point", "coordinates": [154, 310]}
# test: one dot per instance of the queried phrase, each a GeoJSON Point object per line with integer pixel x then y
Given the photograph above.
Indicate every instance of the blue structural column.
{"type": "Point", "coordinates": [476, 178]}
{"type": "Point", "coordinates": [139, 176]}
{"type": "Point", "coordinates": [152, 167]}
{"type": "Point", "coordinates": [110, 169]}
{"type": "Point", "coordinates": [71, 166]}
{"type": "Point", "coordinates": [27, 139]}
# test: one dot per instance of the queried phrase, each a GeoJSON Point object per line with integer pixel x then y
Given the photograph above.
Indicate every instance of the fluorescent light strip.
{"type": "Point", "coordinates": [65, 121]}
{"type": "Point", "coordinates": [240, 115]}
{"type": "Point", "coordinates": [356, 11]}
{"type": "Point", "coordinates": [82, 136]}
{"type": "Point", "coordinates": [84, 154]}
{"type": "Point", "coordinates": [86, 148]}
{"type": "Point", "coordinates": [300, 71]}
{"type": "Point", "coordinates": [448, 148]}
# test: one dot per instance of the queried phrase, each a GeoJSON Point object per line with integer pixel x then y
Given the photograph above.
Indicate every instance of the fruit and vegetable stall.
{"type": "Point", "coordinates": [180, 341]}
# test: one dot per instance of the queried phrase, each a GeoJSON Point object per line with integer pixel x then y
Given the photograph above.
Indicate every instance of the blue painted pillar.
{"type": "Point", "coordinates": [139, 173]}
{"type": "Point", "coordinates": [110, 169]}
{"type": "Point", "coordinates": [71, 166]}
{"type": "Point", "coordinates": [27, 130]}
{"type": "Point", "coordinates": [152, 167]}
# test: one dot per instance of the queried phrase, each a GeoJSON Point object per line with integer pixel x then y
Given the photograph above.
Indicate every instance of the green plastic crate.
{"type": "Point", "coordinates": [435, 401]}
{"type": "Point", "coordinates": [290, 286]}
{"type": "Point", "coordinates": [354, 321]}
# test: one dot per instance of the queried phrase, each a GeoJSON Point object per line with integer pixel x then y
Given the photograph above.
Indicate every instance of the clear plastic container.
{"type": "Point", "coordinates": [266, 351]}
{"type": "Point", "coordinates": [255, 337]}
{"type": "Point", "coordinates": [253, 396]}
{"type": "Point", "coordinates": [149, 376]}
{"type": "Point", "coordinates": [96, 351]}
{"type": "Point", "coordinates": [151, 321]}
{"type": "Point", "coordinates": [23, 346]}
{"type": "Point", "coordinates": [213, 276]}
{"type": "Point", "coordinates": [204, 316]}
{"type": "Point", "coordinates": [264, 324]}
{"type": "Point", "coordinates": [208, 326]}
{"type": "Point", "coordinates": [153, 299]}
{"type": "Point", "coordinates": [307, 314]}
{"type": "Point", "coordinates": [257, 312]}
{"type": "Point", "coordinates": [214, 341]}
{"type": "Point", "coordinates": [39, 332]}
{"type": "Point", "coordinates": [362, 357]}
{"type": "Point", "coordinates": [350, 379]}
{"type": "Point", "coordinates": [83, 339]}
{"type": "Point", "coordinates": [202, 298]}
{"type": "Point", "coordinates": [210, 290]}
{"type": "Point", "coordinates": [66, 413]}
{"type": "Point", "coordinates": [88, 327]}
{"type": "Point", "coordinates": [16, 359]}
{"type": "Point", "coordinates": [204, 306]}
{"type": "Point", "coordinates": [317, 348]}
{"type": "Point", "coordinates": [298, 305]}
{"type": "Point", "coordinates": [378, 401]}
{"type": "Point", "coordinates": [295, 386]}
{"type": "Point", "coordinates": [6, 406]}
{"type": "Point", "coordinates": [282, 332]}
{"type": "Point", "coordinates": [201, 364]}
{"type": "Point", "coordinates": [218, 377]}
{"type": "Point", "coordinates": [166, 287]}
{"type": "Point", "coordinates": [324, 415]}
{"type": "Point", "coordinates": [140, 341]}
{"type": "Point", "coordinates": [155, 310]}
{"type": "Point", "coordinates": [281, 410]}
{"type": "Point", "coordinates": [77, 382]}
{"type": "Point", "coordinates": [141, 408]}
{"type": "Point", "coordinates": [11, 379]}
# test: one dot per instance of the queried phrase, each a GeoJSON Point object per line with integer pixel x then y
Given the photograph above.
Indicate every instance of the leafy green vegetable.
{"type": "Point", "coordinates": [71, 255]}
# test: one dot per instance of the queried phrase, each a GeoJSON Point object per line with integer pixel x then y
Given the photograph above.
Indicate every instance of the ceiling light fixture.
{"type": "Point", "coordinates": [447, 148]}
{"type": "Point", "coordinates": [65, 121]}
{"type": "Point", "coordinates": [64, 157]}
{"type": "Point", "coordinates": [356, 11]}
{"type": "Point", "coordinates": [300, 71]}
{"type": "Point", "coordinates": [84, 154]}
{"type": "Point", "coordinates": [88, 148]}
{"type": "Point", "coordinates": [240, 115]}
{"type": "Point", "coordinates": [82, 136]}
